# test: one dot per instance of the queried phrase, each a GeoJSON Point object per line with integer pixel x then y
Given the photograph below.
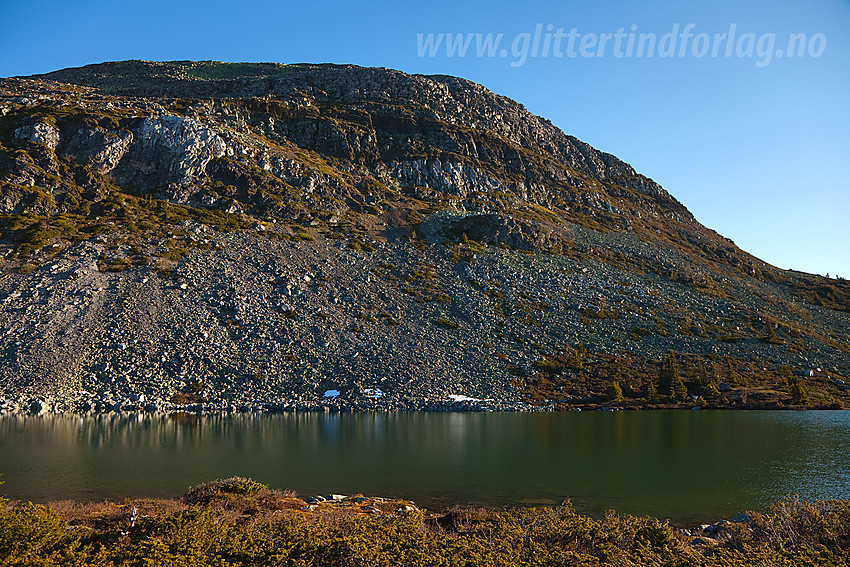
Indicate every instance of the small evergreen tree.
{"type": "Point", "coordinates": [680, 391]}
{"type": "Point", "coordinates": [616, 392]}
{"type": "Point", "coordinates": [732, 376]}
{"type": "Point", "coordinates": [668, 375]}
{"type": "Point", "coordinates": [625, 381]}
{"type": "Point", "coordinates": [575, 361]}
{"type": "Point", "coordinates": [703, 378]}
{"type": "Point", "coordinates": [651, 392]}
{"type": "Point", "coordinates": [799, 392]}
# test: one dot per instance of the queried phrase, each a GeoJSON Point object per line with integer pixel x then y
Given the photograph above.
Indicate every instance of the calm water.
{"type": "Point", "coordinates": [685, 465]}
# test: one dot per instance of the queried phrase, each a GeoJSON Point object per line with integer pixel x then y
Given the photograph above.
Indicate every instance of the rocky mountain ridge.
{"type": "Point", "coordinates": [145, 201]}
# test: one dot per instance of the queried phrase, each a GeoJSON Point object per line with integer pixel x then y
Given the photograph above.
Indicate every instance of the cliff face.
{"type": "Point", "coordinates": [404, 131]}
{"type": "Point", "coordinates": [389, 105]}
{"type": "Point", "coordinates": [120, 165]}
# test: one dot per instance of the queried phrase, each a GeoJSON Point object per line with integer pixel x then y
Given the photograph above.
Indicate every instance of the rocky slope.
{"type": "Point", "coordinates": [261, 235]}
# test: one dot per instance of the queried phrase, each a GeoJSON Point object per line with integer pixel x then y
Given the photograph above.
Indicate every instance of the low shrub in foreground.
{"type": "Point", "coordinates": [242, 522]}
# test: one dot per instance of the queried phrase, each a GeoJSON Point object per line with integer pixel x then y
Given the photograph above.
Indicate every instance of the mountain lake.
{"type": "Point", "coordinates": [688, 466]}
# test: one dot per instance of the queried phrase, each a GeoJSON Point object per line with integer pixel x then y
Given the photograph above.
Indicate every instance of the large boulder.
{"type": "Point", "coordinates": [498, 229]}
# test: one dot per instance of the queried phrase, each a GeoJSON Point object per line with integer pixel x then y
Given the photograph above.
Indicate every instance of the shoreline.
{"type": "Point", "coordinates": [356, 503]}
{"type": "Point", "coordinates": [25, 405]}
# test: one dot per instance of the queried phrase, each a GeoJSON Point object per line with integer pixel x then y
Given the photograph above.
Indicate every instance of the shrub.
{"type": "Point", "coordinates": [799, 392]}
{"type": "Point", "coordinates": [446, 323]}
{"type": "Point", "coordinates": [238, 521]}
{"type": "Point", "coordinates": [575, 361]}
{"type": "Point", "coordinates": [204, 493]}
{"type": "Point", "coordinates": [28, 531]}
{"type": "Point", "coordinates": [113, 264]}
{"type": "Point", "coordinates": [28, 268]}
{"type": "Point", "coordinates": [770, 335]}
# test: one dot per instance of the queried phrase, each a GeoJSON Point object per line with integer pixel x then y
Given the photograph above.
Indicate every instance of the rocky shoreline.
{"type": "Point", "coordinates": [44, 407]}
{"type": "Point", "coordinates": [40, 407]}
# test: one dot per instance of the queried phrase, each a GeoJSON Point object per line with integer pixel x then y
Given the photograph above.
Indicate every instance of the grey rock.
{"type": "Point", "coordinates": [449, 177]}
{"type": "Point", "coordinates": [38, 407]}
{"type": "Point", "coordinates": [169, 152]}
{"type": "Point", "coordinates": [39, 132]}
{"type": "Point", "coordinates": [97, 148]}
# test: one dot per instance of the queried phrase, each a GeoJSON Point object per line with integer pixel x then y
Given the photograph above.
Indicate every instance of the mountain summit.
{"type": "Point", "coordinates": [248, 235]}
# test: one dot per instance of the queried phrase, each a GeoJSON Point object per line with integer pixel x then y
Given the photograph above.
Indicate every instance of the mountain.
{"type": "Point", "coordinates": [245, 235]}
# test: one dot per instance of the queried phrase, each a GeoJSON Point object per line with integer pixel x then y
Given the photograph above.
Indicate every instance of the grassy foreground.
{"type": "Point", "coordinates": [242, 522]}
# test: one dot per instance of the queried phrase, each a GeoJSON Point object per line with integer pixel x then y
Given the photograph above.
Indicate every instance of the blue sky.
{"type": "Point", "coordinates": [754, 144]}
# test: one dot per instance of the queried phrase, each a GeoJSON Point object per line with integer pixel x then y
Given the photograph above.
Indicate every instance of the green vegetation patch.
{"type": "Point", "coordinates": [573, 377]}
{"type": "Point", "coordinates": [446, 323]}
{"type": "Point", "coordinates": [206, 492]}
{"type": "Point", "coordinates": [242, 522]}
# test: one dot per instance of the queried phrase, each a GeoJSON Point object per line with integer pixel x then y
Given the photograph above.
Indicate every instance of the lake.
{"type": "Point", "coordinates": [682, 465]}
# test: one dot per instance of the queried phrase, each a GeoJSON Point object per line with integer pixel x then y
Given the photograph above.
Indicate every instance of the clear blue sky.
{"type": "Point", "coordinates": [757, 148]}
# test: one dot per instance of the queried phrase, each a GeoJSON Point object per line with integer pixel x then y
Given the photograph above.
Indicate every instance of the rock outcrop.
{"type": "Point", "coordinates": [168, 149]}
{"type": "Point", "coordinates": [39, 133]}
{"type": "Point", "coordinates": [99, 149]}
{"type": "Point", "coordinates": [501, 230]}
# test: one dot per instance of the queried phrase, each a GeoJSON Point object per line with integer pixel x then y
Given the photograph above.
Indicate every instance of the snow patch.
{"type": "Point", "coordinates": [457, 398]}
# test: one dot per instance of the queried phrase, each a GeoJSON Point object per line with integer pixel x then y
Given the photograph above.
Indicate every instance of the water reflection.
{"type": "Point", "coordinates": [679, 465]}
